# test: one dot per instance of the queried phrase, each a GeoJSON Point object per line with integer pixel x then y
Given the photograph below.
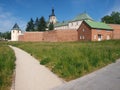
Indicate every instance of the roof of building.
{"type": "Point", "coordinates": [64, 23]}
{"type": "Point", "coordinates": [98, 25]}
{"type": "Point", "coordinates": [80, 17]}
{"type": "Point", "coordinates": [16, 27]}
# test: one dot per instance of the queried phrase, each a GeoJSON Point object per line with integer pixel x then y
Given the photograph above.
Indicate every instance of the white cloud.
{"type": "Point", "coordinates": [7, 20]}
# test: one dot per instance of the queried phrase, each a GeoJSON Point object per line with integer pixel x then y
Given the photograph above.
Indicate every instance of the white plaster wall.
{"type": "Point", "coordinates": [74, 25]}
{"type": "Point", "coordinates": [53, 19]}
{"type": "Point", "coordinates": [71, 25]}
{"type": "Point", "coordinates": [15, 34]}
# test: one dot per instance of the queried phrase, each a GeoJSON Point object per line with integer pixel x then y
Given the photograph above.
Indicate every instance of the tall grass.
{"type": "Point", "coordinates": [7, 65]}
{"type": "Point", "coordinates": [73, 59]}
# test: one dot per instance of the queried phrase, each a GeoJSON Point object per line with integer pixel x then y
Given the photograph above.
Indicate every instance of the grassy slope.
{"type": "Point", "coordinates": [7, 65]}
{"type": "Point", "coordinates": [73, 59]}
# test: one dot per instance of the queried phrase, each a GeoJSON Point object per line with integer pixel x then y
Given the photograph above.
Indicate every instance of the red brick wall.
{"type": "Point", "coordinates": [32, 36]}
{"type": "Point", "coordinates": [21, 38]}
{"type": "Point", "coordinates": [86, 34]}
{"type": "Point", "coordinates": [67, 35]}
{"type": "Point", "coordinates": [116, 32]}
{"type": "Point", "coordinates": [50, 36]}
{"type": "Point", "coordinates": [104, 34]}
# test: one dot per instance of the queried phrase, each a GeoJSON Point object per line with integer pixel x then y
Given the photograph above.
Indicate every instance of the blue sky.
{"type": "Point", "coordinates": [20, 11]}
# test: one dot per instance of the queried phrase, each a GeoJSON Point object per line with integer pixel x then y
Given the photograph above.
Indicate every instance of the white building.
{"type": "Point", "coordinates": [15, 32]}
{"type": "Point", "coordinates": [74, 23]}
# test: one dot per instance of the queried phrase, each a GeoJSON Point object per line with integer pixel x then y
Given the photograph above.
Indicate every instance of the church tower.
{"type": "Point", "coordinates": [15, 32]}
{"type": "Point", "coordinates": [52, 17]}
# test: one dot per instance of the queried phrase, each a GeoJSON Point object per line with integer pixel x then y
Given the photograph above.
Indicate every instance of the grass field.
{"type": "Point", "coordinates": [7, 66]}
{"type": "Point", "coordinates": [73, 59]}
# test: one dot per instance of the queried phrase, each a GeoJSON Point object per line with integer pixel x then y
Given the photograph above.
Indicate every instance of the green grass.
{"type": "Point", "coordinates": [7, 66]}
{"type": "Point", "coordinates": [73, 59]}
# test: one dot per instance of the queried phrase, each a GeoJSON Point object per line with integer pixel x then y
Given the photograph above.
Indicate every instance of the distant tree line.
{"type": "Point", "coordinates": [113, 18]}
{"type": "Point", "coordinates": [39, 25]}
{"type": "Point", "coordinates": [5, 35]}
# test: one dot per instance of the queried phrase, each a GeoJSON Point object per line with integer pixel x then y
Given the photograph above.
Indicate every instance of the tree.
{"type": "Point", "coordinates": [30, 25]}
{"type": "Point", "coordinates": [0, 34]}
{"type": "Point", "coordinates": [42, 24]}
{"type": "Point", "coordinates": [114, 18]}
{"type": "Point", "coordinates": [51, 26]}
{"type": "Point", "coordinates": [36, 24]}
{"type": "Point", "coordinates": [6, 35]}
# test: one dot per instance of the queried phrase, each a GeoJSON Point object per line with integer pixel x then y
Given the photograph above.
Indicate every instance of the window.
{"type": "Point", "coordinates": [76, 23]}
{"type": "Point", "coordinates": [94, 36]}
{"type": "Point", "coordinates": [71, 24]}
{"type": "Point", "coordinates": [80, 37]}
{"type": "Point", "coordinates": [108, 37]}
{"type": "Point", "coordinates": [83, 30]}
{"type": "Point", "coordinates": [83, 37]}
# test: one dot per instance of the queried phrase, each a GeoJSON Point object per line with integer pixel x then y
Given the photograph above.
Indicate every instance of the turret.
{"type": "Point", "coordinates": [15, 32]}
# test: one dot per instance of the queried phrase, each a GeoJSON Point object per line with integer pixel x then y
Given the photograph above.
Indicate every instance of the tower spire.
{"type": "Point", "coordinates": [52, 17]}
{"type": "Point", "coordinates": [53, 14]}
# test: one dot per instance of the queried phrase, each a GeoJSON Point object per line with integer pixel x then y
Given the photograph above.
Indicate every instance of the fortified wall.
{"type": "Point", "coordinates": [116, 31]}
{"type": "Point", "coordinates": [50, 36]}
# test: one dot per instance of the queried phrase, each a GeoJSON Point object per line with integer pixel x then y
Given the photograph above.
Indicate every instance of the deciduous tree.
{"type": "Point", "coordinates": [114, 18]}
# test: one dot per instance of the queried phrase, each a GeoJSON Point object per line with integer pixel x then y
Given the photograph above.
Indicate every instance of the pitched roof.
{"type": "Point", "coordinates": [98, 25]}
{"type": "Point", "coordinates": [65, 23]}
{"type": "Point", "coordinates": [80, 17]}
{"type": "Point", "coordinates": [83, 16]}
{"type": "Point", "coordinates": [16, 27]}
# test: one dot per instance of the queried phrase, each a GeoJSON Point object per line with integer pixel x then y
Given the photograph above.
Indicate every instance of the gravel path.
{"type": "Point", "coordinates": [30, 75]}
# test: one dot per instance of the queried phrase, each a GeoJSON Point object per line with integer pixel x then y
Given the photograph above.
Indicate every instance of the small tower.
{"type": "Point", "coordinates": [15, 32]}
{"type": "Point", "coordinates": [52, 17]}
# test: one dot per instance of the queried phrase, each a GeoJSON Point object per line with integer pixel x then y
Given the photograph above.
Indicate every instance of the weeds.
{"type": "Point", "coordinates": [73, 59]}
{"type": "Point", "coordinates": [7, 66]}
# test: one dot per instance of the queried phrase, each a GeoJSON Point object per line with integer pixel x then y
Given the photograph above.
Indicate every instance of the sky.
{"type": "Point", "coordinates": [20, 11]}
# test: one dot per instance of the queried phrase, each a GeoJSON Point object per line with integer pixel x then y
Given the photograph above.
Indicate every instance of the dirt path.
{"type": "Point", "coordinates": [30, 75]}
